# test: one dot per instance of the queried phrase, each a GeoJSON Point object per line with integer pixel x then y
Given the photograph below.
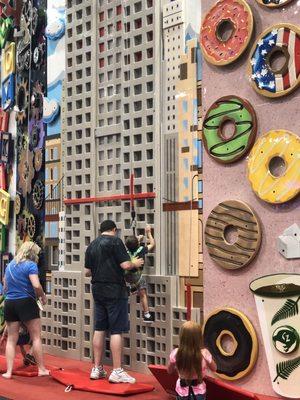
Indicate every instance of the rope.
{"type": "Point", "coordinates": [132, 205]}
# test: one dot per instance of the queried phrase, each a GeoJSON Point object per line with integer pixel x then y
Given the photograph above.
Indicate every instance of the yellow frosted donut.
{"type": "Point", "coordinates": [283, 146]}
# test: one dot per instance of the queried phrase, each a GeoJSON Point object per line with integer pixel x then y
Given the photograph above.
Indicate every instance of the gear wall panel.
{"type": "Point", "coordinates": [31, 131]}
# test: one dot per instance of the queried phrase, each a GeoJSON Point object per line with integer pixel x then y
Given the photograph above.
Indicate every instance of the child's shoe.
{"type": "Point", "coordinates": [148, 317]}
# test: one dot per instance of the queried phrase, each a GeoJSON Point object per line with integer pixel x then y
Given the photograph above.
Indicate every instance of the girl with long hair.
{"type": "Point", "coordinates": [191, 362]}
{"type": "Point", "coordinates": [22, 287]}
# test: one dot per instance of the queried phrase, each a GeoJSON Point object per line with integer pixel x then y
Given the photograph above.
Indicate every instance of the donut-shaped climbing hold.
{"type": "Point", "coordinates": [241, 115]}
{"type": "Point", "coordinates": [239, 217]}
{"type": "Point", "coordinates": [226, 31]}
{"type": "Point", "coordinates": [225, 326]}
{"type": "Point", "coordinates": [273, 3]}
{"type": "Point", "coordinates": [274, 166]}
{"type": "Point", "coordinates": [274, 63]}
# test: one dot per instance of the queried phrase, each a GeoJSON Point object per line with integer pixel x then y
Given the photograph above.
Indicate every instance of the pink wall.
{"type": "Point", "coordinates": [231, 288]}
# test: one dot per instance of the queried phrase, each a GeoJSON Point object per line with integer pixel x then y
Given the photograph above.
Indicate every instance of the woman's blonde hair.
{"type": "Point", "coordinates": [28, 251]}
{"type": "Point", "coordinates": [189, 357]}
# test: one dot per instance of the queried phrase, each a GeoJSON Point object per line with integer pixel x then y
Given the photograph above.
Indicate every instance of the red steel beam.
{"type": "Point", "coordinates": [117, 197]}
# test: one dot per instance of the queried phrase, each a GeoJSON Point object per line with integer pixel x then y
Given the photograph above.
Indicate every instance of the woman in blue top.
{"type": "Point", "coordinates": [22, 287]}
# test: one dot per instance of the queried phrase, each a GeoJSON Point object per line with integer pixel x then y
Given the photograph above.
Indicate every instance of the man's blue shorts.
{"type": "Point", "coordinates": [111, 315]}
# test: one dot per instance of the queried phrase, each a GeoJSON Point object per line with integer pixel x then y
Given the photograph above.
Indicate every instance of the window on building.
{"type": "Point", "coordinates": [54, 255]}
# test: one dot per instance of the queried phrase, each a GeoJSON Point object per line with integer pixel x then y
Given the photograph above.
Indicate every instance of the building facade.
{"type": "Point", "coordinates": [113, 122]}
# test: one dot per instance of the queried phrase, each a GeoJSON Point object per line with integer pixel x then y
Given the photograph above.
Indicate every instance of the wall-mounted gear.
{"type": "Point", "coordinates": [18, 204]}
{"type": "Point", "coordinates": [23, 59]}
{"type": "Point", "coordinates": [21, 140]}
{"type": "Point", "coordinates": [26, 172]}
{"type": "Point", "coordinates": [31, 16]}
{"type": "Point", "coordinates": [22, 100]}
{"type": "Point", "coordinates": [30, 226]}
{"type": "Point", "coordinates": [38, 194]}
{"type": "Point", "coordinates": [36, 134]}
{"type": "Point", "coordinates": [39, 54]}
{"type": "Point", "coordinates": [37, 100]}
{"type": "Point", "coordinates": [38, 160]}
{"type": "Point", "coordinates": [21, 226]}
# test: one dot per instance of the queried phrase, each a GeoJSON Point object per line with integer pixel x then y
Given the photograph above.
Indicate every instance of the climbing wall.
{"type": "Point", "coordinates": [230, 288]}
{"type": "Point", "coordinates": [30, 89]}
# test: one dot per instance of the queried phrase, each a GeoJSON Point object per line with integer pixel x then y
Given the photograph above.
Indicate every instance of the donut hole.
{"type": "Point", "coordinates": [231, 234]}
{"type": "Point", "coordinates": [277, 166]}
{"type": "Point", "coordinates": [227, 129]}
{"type": "Point", "coordinates": [226, 343]}
{"type": "Point", "coordinates": [278, 60]}
{"type": "Point", "coordinates": [225, 30]}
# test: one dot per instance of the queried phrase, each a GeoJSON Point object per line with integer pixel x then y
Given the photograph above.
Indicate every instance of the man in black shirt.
{"type": "Point", "coordinates": [106, 259]}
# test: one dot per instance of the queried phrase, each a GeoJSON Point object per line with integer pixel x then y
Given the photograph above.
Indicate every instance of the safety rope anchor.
{"type": "Point", "coordinates": [69, 388]}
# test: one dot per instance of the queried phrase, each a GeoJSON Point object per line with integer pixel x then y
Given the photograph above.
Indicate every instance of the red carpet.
{"type": "Point", "coordinates": [47, 388]}
{"type": "Point", "coordinates": [80, 380]}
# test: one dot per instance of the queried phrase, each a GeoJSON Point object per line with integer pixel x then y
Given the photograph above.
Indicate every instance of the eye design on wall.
{"type": "Point", "coordinates": [51, 110]}
{"type": "Point", "coordinates": [55, 29]}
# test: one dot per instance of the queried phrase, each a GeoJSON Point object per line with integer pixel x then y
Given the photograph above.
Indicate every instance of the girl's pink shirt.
{"type": "Point", "coordinates": [199, 389]}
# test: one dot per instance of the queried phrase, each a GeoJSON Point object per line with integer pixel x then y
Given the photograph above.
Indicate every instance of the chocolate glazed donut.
{"type": "Point", "coordinates": [232, 213]}
{"type": "Point", "coordinates": [238, 362]}
{"type": "Point", "coordinates": [238, 111]}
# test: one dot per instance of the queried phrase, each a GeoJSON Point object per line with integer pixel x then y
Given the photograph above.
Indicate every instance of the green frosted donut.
{"type": "Point", "coordinates": [238, 112]}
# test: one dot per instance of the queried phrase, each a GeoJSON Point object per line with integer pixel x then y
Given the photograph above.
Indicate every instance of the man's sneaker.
{"type": "Point", "coordinates": [97, 373]}
{"type": "Point", "coordinates": [148, 317]}
{"type": "Point", "coordinates": [120, 376]}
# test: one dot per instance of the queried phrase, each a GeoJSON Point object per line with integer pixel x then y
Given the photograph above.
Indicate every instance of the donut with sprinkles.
{"type": "Point", "coordinates": [219, 49]}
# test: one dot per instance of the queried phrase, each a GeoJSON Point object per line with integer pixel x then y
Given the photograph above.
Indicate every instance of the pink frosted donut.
{"type": "Point", "coordinates": [237, 15]}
